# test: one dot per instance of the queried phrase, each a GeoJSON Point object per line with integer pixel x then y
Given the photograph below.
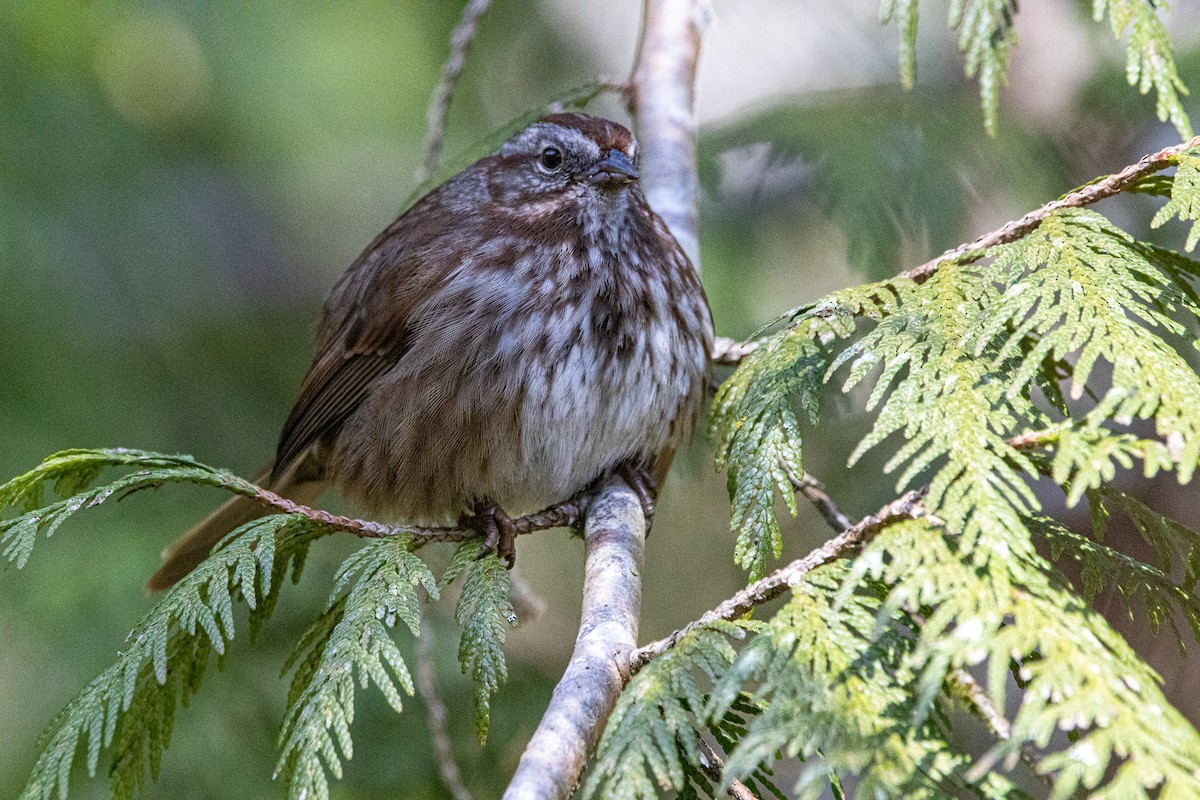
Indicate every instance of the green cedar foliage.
{"type": "Point", "coordinates": [1184, 191]}
{"type": "Point", "coordinates": [375, 588]}
{"type": "Point", "coordinates": [650, 740]}
{"type": "Point", "coordinates": [838, 685]}
{"type": "Point", "coordinates": [128, 710]}
{"type": "Point", "coordinates": [985, 377]}
{"type": "Point", "coordinates": [987, 35]}
{"type": "Point", "coordinates": [483, 611]}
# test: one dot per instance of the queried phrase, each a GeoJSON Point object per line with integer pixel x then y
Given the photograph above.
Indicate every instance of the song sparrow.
{"type": "Point", "coordinates": [525, 328]}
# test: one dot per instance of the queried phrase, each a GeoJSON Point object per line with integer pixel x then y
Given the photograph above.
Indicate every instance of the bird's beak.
{"type": "Point", "coordinates": [614, 170]}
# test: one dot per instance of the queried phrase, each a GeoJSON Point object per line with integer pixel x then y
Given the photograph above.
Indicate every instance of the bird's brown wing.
{"type": "Point", "coordinates": [364, 332]}
{"type": "Point", "coordinates": [329, 395]}
{"type": "Point", "coordinates": [372, 311]}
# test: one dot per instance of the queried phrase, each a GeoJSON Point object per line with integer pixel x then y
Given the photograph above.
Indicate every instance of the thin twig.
{"type": "Point", "coordinates": [710, 762]}
{"type": "Point", "coordinates": [460, 42]}
{"type": "Point", "coordinates": [728, 352]}
{"type": "Point", "coordinates": [435, 710]}
{"type": "Point", "coordinates": [849, 541]}
{"type": "Point", "coordinates": [580, 98]}
{"type": "Point", "coordinates": [527, 604]}
{"type": "Point", "coordinates": [1085, 196]}
{"type": "Point", "coordinates": [814, 491]}
{"type": "Point", "coordinates": [977, 697]}
{"type": "Point", "coordinates": [566, 514]}
{"type": "Point", "coordinates": [614, 539]}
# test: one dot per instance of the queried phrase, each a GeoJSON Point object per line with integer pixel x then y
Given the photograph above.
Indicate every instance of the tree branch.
{"type": "Point", "coordinates": [566, 514]}
{"type": "Point", "coordinates": [1095, 191]}
{"type": "Point", "coordinates": [664, 103]}
{"type": "Point", "coordinates": [814, 491]}
{"type": "Point", "coordinates": [730, 352]}
{"type": "Point", "coordinates": [614, 538]}
{"type": "Point", "coordinates": [908, 506]}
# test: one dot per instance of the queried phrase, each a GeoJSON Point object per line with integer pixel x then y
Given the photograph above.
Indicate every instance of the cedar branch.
{"type": "Point", "coordinates": [1084, 196]}
{"type": "Point", "coordinates": [850, 540]}
{"type": "Point", "coordinates": [728, 352]}
{"type": "Point", "coordinates": [567, 514]}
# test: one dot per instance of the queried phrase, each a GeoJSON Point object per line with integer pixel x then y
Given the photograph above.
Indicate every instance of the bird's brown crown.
{"type": "Point", "coordinates": [607, 134]}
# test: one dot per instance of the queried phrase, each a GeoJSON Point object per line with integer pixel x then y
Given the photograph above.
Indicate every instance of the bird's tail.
{"type": "Point", "coordinates": [302, 482]}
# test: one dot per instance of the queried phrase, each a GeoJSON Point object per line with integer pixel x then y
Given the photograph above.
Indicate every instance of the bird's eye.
{"type": "Point", "coordinates": [552, 157]}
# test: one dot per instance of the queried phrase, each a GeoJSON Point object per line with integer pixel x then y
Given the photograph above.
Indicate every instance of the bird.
{"type": "Point", "coordinates": [525, 329]}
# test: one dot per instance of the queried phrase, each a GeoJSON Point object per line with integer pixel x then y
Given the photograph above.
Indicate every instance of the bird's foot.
{"type": "Point", "coordinates": [644, 486]}
{"type": "Point", "coordinates": [499, 532]}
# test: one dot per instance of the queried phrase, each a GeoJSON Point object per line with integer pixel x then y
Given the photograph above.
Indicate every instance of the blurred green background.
{"type": "Point", "coordinates": [180, 183]}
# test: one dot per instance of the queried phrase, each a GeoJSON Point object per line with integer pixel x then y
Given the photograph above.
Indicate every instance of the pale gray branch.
{"type": "Point", "coordinates": [664, 103]}
{"type": "Point", "coordinates": [730, 352]}
{"type": "Point", "coordinates": [614, 538]}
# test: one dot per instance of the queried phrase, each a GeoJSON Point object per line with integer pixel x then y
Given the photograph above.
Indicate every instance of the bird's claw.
{"type": "Point", "coordinates": [643, 485]}
{"type": "Point", "coordinates": [499, 532]}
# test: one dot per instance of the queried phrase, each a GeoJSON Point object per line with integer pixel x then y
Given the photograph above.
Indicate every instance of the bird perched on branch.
{"type": "Point", "coordinates": [525, 329]}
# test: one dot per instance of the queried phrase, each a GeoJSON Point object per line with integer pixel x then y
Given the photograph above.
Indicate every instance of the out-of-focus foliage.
{"type": "Point", "coordinates": [899, 182]}
{"type": "Point", "coordinates": [1150, 56]}
{"type": "Point", "coordinates": [987, 35]}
